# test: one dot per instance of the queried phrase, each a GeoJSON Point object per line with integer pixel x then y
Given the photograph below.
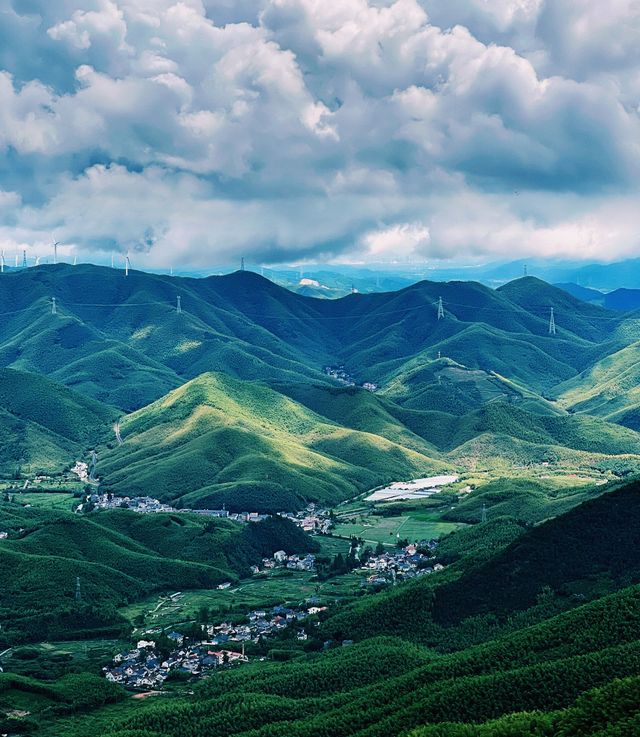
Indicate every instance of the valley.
{"type": "Point", "coordinates": [309, 490]}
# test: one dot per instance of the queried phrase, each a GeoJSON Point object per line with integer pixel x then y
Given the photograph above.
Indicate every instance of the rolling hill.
{"type": "Point", "coordinates": [557, 654]}
{"type": "Point", "coordinates": [119, 556]}
{"type": "Point", "coordinates": [120, 339]}
{"type": "Point", "coordinates": [217, 440]}
{"type": "Point", "coordinates": [44, 425]}
{"type": "Point", "coordinates": [268, 427]}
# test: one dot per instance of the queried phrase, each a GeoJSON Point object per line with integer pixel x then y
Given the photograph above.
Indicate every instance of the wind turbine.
{"type": "Point", "coordinates": [127, 264]}
{"type": "Point", "coordinates": [55, 249]}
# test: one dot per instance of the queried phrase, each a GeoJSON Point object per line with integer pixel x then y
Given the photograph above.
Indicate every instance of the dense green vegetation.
{"type": "Point", "coordinates": [45, 426]}
{"type": "Point", "coordinates": [531, 629]}
{"type": "Point", "coordinates": [119, 557]}
{"type": "Point", "coordinates": [289, 436]}
{"type": "Point", "coordinates": [217, 440]}
{"type": "Point", "coordinates": [526, 636]}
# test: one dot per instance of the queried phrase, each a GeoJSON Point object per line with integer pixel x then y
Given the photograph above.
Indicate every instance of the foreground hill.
{"type": "Point", "coordinates": [46, 426]}
{"type": "Point", "coordinates": [545, 661]}
{"type": "Point", "coordinates": [119, 556]}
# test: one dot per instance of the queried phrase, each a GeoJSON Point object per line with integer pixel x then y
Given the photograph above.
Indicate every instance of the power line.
{"type": "Point", "coordinates": [535, 312]}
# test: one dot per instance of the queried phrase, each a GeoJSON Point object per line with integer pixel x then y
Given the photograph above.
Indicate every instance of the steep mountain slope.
{"type": "Point", "coordinates": [45, 425]}
{"type": "Point", "coordinates": [217, 440]}
{"type": "Point", "coordinates": [590, 551]}
{"type": "Point", "coordinates": [610, 388]}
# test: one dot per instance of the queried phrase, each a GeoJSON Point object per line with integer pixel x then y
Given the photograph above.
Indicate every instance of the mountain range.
{"type": "Point", "coordinates": [226, 399]}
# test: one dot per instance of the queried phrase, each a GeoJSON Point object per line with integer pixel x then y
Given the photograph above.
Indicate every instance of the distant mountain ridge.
{"type": "Point", "coordinates": [121, 340]}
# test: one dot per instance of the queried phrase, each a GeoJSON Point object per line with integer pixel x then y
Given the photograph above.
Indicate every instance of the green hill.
{"type": "Point", "coordinates": [533, 632]}
{"type": "Point", "coordinates": [121, 340]}
{"type": "Point", "coordinates": [44, 425]}
{"type": "Point", "coordinates": [217, 440]}
{"type": "Point", "coordinates": [588, 552]}
{"type": "Point", "coordinates": [119, 556]}
{"type": "Point", "coordinates": [608, 389]}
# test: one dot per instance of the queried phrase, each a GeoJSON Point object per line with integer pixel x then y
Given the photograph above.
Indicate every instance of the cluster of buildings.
{"type": "Point", "coordinates": [281, 559]}
{"type": "Point", "coordinates": [312, 519]}
{"type": "Point", "coordinates": [81, 470]}
{"type": "Point", "coordinates": [149, 505]}
{"type": "Point", "coordinates": [401, 564]}
{"type": "Point", "coordinates": [344, 377]}
{"type": "Point", "coordinates": [261, 623]}
{"type": "Point", "coordinates": [144, 667]}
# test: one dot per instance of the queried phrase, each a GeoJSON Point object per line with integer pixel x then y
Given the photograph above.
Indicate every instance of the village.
{"type": "Point", "coordinates": [210, 646]}
{"type": "Point", "coordinates": [145, 666]}
{"type": "Point", "coordinates": [311, 519]}
{"type": "Point", "coordinates": [346, 379]}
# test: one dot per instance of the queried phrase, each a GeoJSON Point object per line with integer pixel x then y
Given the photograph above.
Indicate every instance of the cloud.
{"type": "Point", "coordinates": [192, 130]}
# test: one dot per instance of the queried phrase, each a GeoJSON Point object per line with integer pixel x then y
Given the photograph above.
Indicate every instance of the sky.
{"type": "Point", "coordinates": [193, 132]}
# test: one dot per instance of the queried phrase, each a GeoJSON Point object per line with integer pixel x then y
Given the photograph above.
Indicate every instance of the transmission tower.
{"type": "Point", "coordinates": [484, 513]}
{"type": "Point", "coordinates": [78, 589]}
{"type": "Point", "coordinates": [53, 306]}
{"type": "Point", "coordinates": [242, 264]}
{"type": "Point", "coordinates": [24, 258]}
{"type": "Point", "coordinates": [179, 305]}
{"type": "Point", "coordinates": [552, 323]}
{"type": "Point", "coordinates": [2, 262]}
{"type": "Point", "coordinates": [525, 272]}
{"type": "Point", "coordinates": [440, 309]}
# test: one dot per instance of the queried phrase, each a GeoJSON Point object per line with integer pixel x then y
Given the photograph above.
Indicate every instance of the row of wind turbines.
{"type": "Point", "coordinates": [55, 243]}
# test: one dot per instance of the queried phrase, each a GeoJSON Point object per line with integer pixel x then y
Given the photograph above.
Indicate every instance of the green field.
{"type": "Point", "coordinates": [411, 526]}
{"type": "Point", "coordinates": [47, 499]}
{"type": "Point", "coordinates": [263, 591]}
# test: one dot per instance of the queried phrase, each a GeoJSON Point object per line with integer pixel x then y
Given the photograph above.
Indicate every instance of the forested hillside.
{"type": "Point", "coordinates": [119, 556]}
{"type": "Point", "coordinates": [491, 670]}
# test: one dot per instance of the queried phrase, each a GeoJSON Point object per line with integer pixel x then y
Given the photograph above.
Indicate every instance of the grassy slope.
{"type": "Point", "coordinates": [591, 550]}
{"type": "Point", "coordinates": [246, 326]}
{"type": "Point", "coordinates": [608, 389]}
{"type": "Point", "coordinates": [388, 686]}
{"type": "Point", "coordinates": [46, 425]}
{"type": "Point", "coordinates": [217, 440]}
{"type": "Point", "coordinates": [215, 437]}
